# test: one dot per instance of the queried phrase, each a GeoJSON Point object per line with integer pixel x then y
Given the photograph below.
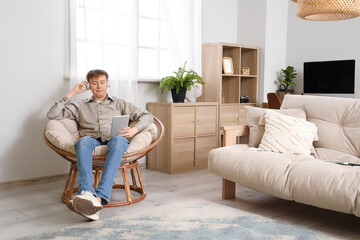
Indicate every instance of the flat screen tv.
{"type": "Point", "coordinates": [329, 77]}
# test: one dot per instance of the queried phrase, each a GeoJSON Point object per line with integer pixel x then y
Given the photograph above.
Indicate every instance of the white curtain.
{"type": "Point", "coordinates": [183, 21]}
{"type": "Point", "coordinates": [107, 34]}
{"type": "Point", "coordinates": [104, 37]}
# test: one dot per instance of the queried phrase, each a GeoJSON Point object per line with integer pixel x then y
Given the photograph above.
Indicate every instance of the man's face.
{"type": "Point", "coordinates": [98, 87]}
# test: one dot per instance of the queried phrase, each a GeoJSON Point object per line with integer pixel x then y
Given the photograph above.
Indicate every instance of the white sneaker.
{"type": "Point", "coordinates": [93, 217]}
{"type": "Point", "coordinates": [86, 203]}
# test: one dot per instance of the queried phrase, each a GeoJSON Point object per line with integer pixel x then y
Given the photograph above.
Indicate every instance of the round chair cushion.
{"type": "Point", "coordinates": [64, 133]}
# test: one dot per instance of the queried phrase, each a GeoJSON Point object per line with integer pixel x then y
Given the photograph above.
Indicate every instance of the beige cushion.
{"type": "Point", "coordinates": [326, 185]}
{"type": "Point", "coordinates": [285, 134]}
{"type": "Point", "coordinates": [335, 156]}
{"type": "Point", "coordinates": [64, 133]}
{"type": "Point", "coordinates": [253, 115]}
{"type": "Point", "coordinates": [263, 171]}
{"type": "Point", "coordinates": [143, 139]}
{"type": "Point", "coordinates": [337, 120]}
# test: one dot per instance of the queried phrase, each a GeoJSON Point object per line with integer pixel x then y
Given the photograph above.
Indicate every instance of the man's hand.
{"type": "Point", "coordinates": [128, 132]}
{"type": "Point", "coordinates": [79, 88]}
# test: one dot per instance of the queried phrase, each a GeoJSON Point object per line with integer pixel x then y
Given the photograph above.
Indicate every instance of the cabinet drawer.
{"type": "Point", "coordinates": [184, 122]}
{"type": "Point", "coordinates": [206, 118]}
{"type": "Point", "coordinates": [229, 115]}
{"type": "Point", "coordinates": [203, 146]}
{"type": "Point", "coordinates": [183, 154]}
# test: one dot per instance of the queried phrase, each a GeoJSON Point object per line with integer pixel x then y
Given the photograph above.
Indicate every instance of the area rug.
{"type": "Point", "coordinates": [194, 219]}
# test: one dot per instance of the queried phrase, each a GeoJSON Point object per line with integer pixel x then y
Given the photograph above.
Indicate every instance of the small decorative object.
{"type": "Point", "coordinates": [228, 66]}
{"type": "Point", "coordinates": [222, 98]}
{"type": "Point", "coordinates": [244, 99]}
{"type": "Point", "coordinates": [178, 84]}
{"type": "Point", "coordinates": [327, 10]}
{"type": "Point", "coordinates": [245, 71]}
{"type": "Point", "coordinates": [195, 92]}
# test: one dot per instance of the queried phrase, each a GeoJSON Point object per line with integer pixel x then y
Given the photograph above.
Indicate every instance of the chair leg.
{"type": "Point", "coordinates": [68, 192]}
{"type": "Point", "coordinates": [64, 194]}
{"type": "Point", "coordinates": [134, 185]}
{"type": "Point", "coordinates": [140, 180]}
{"type": "Point", "coordinates": [126, 185]}
{"type": "Point", "coordinates": [97, 176]}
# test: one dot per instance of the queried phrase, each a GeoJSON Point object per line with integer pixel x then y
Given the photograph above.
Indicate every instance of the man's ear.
{"type": "Point", "coordinates": [109, 83]}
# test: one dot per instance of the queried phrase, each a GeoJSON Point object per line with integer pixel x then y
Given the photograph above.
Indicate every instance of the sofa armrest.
{"type": "Point", "coordinates": [232, 132]}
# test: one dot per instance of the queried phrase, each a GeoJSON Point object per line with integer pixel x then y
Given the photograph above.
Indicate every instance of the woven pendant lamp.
{"type": "Point", "coordinates": [327, 10]}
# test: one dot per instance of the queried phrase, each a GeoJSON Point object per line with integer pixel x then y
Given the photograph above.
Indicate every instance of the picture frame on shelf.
{"type": "Point", "coordinates": [245, 71]}
{"type": "Point", "coordinates": [228, 66]}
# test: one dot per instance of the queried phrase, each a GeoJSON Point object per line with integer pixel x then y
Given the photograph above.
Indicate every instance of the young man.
{"type": "Point", "coordinates": [94, 117]}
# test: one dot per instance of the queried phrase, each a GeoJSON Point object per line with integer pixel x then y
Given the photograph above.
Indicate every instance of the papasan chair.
{"type": "Point", "coordinates": [61, 135]}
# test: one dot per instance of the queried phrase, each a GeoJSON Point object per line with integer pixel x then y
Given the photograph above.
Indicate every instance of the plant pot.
{"type": "Point", "coordinates": [178, 97]}
{"type": "Point", "coordinates": [282, 93]}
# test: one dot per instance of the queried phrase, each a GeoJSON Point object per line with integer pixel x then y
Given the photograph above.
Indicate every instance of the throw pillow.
{"type": "Point", "coordinates": [253, 115]}
{"type": "Point", "coordinates": [285, 134]}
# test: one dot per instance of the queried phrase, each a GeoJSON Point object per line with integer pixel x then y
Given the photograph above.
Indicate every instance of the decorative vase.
{"type": "Point", "coordinates": [178, 97]}
{"type": "Point", "coordinates": [283, 93]}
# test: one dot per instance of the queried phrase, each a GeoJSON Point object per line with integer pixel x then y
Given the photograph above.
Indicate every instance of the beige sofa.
{"type": "Point", "coordinates": [314, 180]}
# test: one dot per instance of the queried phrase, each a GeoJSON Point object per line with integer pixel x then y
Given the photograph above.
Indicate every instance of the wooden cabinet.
{"type": "Point", "coordinates": [226, 89]}
{"type": "Point", "coordinates": [184, 120]}
{"type": "Point", "coordinates": [203, 146]}
{"type": "Point", "coordinates": [233, 114]}
{"type": "Point", "coordinates": [191, 131]}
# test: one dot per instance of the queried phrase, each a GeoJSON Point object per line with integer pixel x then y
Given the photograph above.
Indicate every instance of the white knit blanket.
{"type": "Point", "coordinates": [285, 134]}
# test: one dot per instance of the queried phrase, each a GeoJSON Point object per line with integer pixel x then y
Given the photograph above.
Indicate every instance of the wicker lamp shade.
{"type": "Point", "coordinates": [327, 10]}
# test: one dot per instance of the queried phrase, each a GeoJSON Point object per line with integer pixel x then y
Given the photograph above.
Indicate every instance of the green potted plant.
{"type": "Point", "coordinates": [178, 84]}
{"type": "Point", "coordinates": [289, 74]}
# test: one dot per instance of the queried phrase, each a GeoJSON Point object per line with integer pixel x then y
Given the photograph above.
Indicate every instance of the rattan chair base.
{"type": "Point", "coordinates": [134, 169]}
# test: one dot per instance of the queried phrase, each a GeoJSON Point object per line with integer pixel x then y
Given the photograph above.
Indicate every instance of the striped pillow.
{"type": "Point", "coordinates": [285, 134]}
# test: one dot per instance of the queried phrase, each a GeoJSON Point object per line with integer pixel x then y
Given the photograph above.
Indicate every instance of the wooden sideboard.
{"type": "Point", "coordinates": [191, 131]}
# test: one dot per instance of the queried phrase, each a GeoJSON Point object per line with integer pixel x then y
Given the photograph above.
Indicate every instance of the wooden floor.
{"type": "Point", "coordinates": [32, 207]}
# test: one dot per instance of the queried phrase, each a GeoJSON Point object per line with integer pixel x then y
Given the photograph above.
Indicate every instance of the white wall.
{"type": "Point", "coordinates": [315, 41]}
{"type": "Point", "coordinates": [275, 44]}
{"type": "Point", "coordinates": [219, 21]}
{"type": "Point", "coordinates": [251, 31]}
{"type": "Point", "coordinates": [219, 24]}
{"type": "Point", "coordinates": [34, 53]}
{"type": "Point", "coordinates": [31, 70]}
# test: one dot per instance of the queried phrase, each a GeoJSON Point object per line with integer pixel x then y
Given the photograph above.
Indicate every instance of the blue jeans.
{"type": "Point", "coordinates": [84, 148]}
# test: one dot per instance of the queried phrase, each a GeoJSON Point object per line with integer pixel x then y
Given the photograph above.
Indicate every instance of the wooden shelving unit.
{"type": "Point", "coordinates": [226, 89]}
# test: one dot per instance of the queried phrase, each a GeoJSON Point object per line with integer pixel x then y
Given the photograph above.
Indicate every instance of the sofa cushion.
{"type": "Point", "coordinates": [337, 120]}
{"type": "Point", "coordinates": [335, 156]}
{"type": "Point", "coordinates": [263, 171]}
{"type": "Point", "coordinates": [253, 115]}
{"type": "Point", "coordinates": [326, 185]}
{"type": "Point", "coordinates": [285, 134]}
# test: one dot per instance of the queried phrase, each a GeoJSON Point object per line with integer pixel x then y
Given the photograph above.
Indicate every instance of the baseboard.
{"type": "Point", "coordinates": [32, 181]}
{"type": "Point", "coordinates": [39, 180]}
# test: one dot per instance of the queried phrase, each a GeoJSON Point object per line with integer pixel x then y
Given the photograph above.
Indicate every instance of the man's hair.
{"type": "Point", "coordinates": [96, 73]}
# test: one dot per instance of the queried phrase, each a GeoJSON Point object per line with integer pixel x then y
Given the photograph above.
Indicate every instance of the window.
{"type": "Point", "coordinates": [138, 40]}
{"type": "Point", "coordinates": [103, 36]}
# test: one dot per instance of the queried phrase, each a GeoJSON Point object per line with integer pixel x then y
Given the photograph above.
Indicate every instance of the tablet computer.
{"type": "Point", "coordinates": [118, 123]}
